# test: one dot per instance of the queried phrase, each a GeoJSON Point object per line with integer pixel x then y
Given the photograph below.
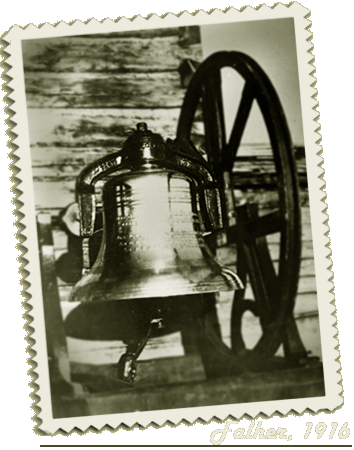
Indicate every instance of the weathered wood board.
{"type": "Point", "coordinates": [92, 90]}
{"type": "Point", "coordinates": [77, 128]}
{"type": "Point", "coordinates": [113, 54]}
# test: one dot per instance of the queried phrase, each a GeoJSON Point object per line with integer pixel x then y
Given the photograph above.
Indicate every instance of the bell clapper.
{"type": "Point", "coordinates": [127, 364]}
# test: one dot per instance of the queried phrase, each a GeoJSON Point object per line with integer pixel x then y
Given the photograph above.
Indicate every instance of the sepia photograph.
{"type": "Point", "coordinates": [172, 205]}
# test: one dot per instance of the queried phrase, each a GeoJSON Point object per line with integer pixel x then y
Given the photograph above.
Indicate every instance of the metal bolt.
{"type": "Point", "coordinates": [141, 126]}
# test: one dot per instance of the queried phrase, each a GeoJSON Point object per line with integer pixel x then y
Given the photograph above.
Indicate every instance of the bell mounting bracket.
{"type": "Point", "coordinates": [146, 151]}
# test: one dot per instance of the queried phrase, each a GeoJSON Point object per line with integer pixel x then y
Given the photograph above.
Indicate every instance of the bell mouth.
{"type": "Point", "coordinates": [92, 287]}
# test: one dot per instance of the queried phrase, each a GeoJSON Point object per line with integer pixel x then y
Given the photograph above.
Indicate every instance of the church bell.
{"type": "Point", "coordinates": [159, 200]}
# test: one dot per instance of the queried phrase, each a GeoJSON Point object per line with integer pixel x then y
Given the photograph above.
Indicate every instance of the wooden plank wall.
{"type": "Point", "coordinates": [84, 96]}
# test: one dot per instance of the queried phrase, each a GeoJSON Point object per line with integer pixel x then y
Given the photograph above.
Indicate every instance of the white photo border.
{"type": "Point", "coordinates": [25, 204]}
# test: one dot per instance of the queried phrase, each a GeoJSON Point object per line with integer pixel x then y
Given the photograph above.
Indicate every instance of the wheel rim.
{"type": "Point", "coordinates": [251, 243]}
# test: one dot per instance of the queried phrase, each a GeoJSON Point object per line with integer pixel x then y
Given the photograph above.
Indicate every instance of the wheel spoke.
{"type": "Point", "coordinates": [270, 278]}
{"type": "Point", "coordinates": [213, 116]}
{"type": "Point", "coordinates": [240, 122]}
{"type": "Point", "coordinates": [258, 281]}
{"type": "Point", "coordinates": [293, 346]}
{"type": "Point", "coordinates": [263, 277]}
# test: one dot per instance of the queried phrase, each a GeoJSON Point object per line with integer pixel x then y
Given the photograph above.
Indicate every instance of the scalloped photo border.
{"type": "Point", "coordinates": [27, 232]}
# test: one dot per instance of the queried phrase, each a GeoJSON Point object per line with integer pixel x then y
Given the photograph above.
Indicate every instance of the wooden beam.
{"type": "Point", "coordinates": [247, 388]}
{"type": "Point", "coordinates": [58, 360]}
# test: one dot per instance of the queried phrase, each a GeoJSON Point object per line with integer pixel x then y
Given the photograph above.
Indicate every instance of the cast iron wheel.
{"type": "Point", "coordinates": [274, 290]}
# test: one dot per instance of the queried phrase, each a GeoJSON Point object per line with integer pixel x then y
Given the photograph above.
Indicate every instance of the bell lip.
{"type": "Point", "coordinates": [225, 281]}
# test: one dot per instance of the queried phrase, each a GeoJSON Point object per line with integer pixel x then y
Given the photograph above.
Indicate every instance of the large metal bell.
{"type": "Point", "coordinates": [152, 243]}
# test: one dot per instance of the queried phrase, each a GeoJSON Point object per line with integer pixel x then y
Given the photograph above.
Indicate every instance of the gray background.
{"type": "Point", "coordinates": [272, 44]}
{"type": "Point", "coordinates": [332, 28]}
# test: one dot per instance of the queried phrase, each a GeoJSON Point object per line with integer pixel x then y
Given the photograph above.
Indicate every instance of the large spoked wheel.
{"type": "Point", "coordinates": [247, 223]}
